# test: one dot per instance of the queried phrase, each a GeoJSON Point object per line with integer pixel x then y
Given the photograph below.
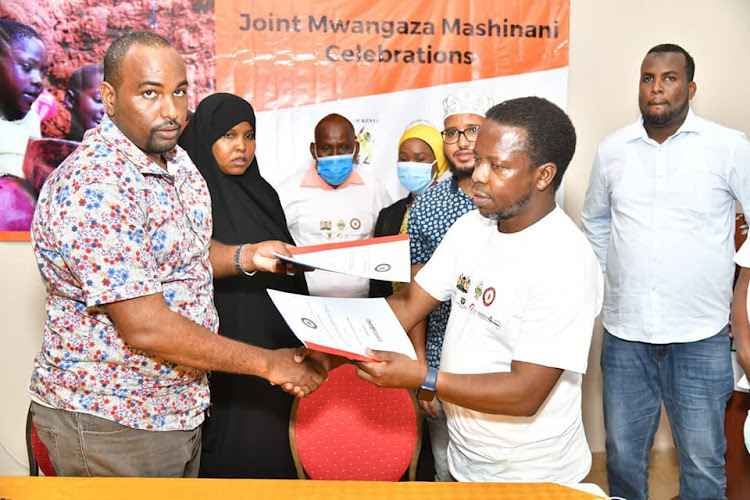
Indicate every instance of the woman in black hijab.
{"type": "Point", "coordinates": [247, 431]}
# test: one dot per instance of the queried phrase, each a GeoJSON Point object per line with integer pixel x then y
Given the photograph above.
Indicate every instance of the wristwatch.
{"type": "Point", "coordinates": [237, 261]}
{"type": "Point", "coordinates": [426, 391]}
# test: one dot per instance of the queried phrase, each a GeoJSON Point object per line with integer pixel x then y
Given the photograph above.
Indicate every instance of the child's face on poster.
{"type": "Point", "coordinates": [23, 67]}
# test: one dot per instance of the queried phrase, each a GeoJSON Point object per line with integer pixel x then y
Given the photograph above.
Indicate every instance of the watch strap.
{"type": "Point", "coordinates": [430, 380]}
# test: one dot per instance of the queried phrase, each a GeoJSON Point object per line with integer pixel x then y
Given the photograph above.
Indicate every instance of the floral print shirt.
{"type": "Point", "coordinates": [112, 225]}
{"type": "Point", "coordinates": [432, 214]}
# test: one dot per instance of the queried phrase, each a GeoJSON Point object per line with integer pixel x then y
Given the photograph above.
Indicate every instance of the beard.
{"type": "Point", "coordinates": [154, 147]}
{"type": "Point", "coordinates": [661, 120]}
{"type": "Point", "coordinates": [459, 173]}
{"type": "Point", "coordinates": [510, 211]}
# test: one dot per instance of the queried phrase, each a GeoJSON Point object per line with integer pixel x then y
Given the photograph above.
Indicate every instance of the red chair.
{"type": "Point", "coordinates": [38, 454]}
{"type": "Point", "coordinates": [353, 430]}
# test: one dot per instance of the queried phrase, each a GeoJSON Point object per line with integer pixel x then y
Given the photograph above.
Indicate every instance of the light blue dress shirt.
{"type": "Point", "coordinates": [661, 220]}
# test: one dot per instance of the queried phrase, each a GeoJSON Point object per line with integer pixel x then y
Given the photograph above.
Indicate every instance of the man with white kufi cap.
{"type": "Point", "coordinates": [432, 214]}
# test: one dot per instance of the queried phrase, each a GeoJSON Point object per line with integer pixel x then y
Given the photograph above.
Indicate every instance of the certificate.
{"type": "Point", "coordinates": [385, 258]}
{"type": "Point", "coordinates": [343, 326]}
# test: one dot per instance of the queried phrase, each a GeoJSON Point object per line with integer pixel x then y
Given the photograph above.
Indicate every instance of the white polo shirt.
{"type": "Point", "coordinates": [317, 213]}
{"type": "Point", "coordinates": [529, 296]}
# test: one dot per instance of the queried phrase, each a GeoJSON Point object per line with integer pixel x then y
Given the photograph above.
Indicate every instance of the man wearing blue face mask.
{"type": "Point", "coordinates": [331, 201]}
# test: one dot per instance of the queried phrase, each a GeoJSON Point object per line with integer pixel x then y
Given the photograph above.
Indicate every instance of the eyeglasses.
{"type": "Point", "coordinates": [451, 135]}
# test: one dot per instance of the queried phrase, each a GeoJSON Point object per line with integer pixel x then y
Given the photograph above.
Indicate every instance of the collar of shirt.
{"type": "Point", "coordinates": [636, 131]}
{"type": "Point", "coordinates": [313, 179]}
{"type": "Point", "coordinates": [112, 134]}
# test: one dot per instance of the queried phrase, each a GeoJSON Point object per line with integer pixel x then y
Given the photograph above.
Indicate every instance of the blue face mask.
{"type": "Point", "coordinates": [335, 169]}
{"type": "Point", "coordinates": [415, 176]}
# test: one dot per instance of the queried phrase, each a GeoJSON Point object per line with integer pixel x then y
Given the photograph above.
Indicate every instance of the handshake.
{"type": "Point", "coordinates": [300, 371]}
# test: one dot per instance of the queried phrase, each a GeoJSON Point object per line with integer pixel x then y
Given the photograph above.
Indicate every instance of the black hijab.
{"type": "Point", "coordinates": [246, 209]}
{"type": "Point", "coordinates": [248, 432]}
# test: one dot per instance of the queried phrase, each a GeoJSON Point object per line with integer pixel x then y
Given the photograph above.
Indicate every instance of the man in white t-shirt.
{"type": "Point", "coordinates": [525, 288]}
{"type": "Point", "coordinates": [333, 202]}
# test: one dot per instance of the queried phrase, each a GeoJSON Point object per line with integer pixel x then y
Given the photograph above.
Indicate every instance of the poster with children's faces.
{"type": "Point", "coordinates": [381, 64]}
{"type": "Point", "coordinates": [51, 57]}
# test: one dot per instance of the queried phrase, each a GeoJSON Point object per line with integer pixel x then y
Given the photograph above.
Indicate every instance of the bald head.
{"type": "Point", "coordinates": [334, 135]}
{"type": "Point", "coordinates": [334, 120]}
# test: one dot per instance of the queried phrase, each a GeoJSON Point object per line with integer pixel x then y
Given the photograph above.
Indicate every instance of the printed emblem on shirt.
{"type": "Point", "coordinates": [341, 224]}
{"type": "Point", "coordinates": [325, 225]}
{"type": "Point", "coordinates": [472, 308]}
{"type": "Point", "coordinates": [463, 283]}
{"type": "Point", "coordinates": [478, 290]}
{"type": "Point", "coordinates": [355, 223]}
{"type": "Point", "coordinates": [488, 297]}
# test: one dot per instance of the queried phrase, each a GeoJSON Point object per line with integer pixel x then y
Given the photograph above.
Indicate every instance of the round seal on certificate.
{"type": "Point", "coordinates": [309, 323]}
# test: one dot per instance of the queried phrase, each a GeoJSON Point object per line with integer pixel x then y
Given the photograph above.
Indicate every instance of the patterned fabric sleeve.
{"type": "Point", "coordinates": [418, 242]}
{"type": "Point", "coordinates": [100, 235]}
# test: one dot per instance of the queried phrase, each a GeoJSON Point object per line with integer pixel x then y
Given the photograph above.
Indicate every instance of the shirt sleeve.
{"type": "Point", "coordinates": [596, 214]}
{"type": "Point", "coordinates": [437, 277]}
{"type": "Point", "coordinates": [418, 241]}
{"type": "Point", "coordinates": [739, 173]}
{"type": "Point", "coordinates": [102, 238]}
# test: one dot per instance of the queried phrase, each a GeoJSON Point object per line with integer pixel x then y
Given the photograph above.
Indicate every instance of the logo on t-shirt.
{"type": "Point", "coordinates": [478, 290]}
{"type": "Point", "coordinates": [463, 283]}
{"type": "Point", "coordinates": [355, 223]}
{"type": "Point", "coordinates": [341, 224]}
{"type": "Point", "coordinates": [325, 225]}
{"type": "Point", "coordinates": [488, 297]}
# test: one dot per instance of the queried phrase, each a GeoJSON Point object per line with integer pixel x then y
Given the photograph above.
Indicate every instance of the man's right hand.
{"type": "Point", "coordinates": [298, 379]}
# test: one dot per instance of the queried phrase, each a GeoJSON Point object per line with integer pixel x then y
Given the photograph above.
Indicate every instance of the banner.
{"type": "Point", "coordinates": [383, 65]}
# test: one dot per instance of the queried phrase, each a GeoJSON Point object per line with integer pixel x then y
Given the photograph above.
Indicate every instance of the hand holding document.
{"type": "Point", "coordinates": [385, 258]}
{"type": "Point", "coordinates": [344, 327]}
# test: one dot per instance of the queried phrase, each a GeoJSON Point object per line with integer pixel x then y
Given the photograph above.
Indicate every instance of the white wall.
{"type": "Point", "coordinates": [21, 322]}
{"type": "Point", "coordinates": [607, 43]}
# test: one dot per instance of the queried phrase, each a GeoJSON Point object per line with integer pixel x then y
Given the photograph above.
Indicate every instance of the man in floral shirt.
{"type": "Point", "coordinates": [122, 237]}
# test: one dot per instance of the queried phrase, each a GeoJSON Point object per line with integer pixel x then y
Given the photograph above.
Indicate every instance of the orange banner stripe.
{"type": "Point", "coordinates": [293, 53]}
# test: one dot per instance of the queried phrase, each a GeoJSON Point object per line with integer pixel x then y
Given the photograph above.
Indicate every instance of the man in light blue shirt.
{"type": "Point", "coordinates": [659, 212]}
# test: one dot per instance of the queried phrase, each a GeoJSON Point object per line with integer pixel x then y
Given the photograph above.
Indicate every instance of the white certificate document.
{"type": "Point", "coordinates": [385, 258]}
{"type": "Point", "coordinates": [343, 326]}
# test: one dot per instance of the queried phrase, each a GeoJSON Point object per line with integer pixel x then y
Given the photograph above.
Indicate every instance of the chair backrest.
{"type": "Point", "coordinates": [351, 429]}
{"type": "Point", "coordinates": [38, 454]}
